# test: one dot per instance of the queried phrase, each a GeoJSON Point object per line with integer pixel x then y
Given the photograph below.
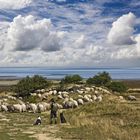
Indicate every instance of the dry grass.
{"type": "Point", "coordinates": [103, 121]}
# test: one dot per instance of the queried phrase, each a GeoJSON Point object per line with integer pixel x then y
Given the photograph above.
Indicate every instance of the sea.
{"type": "Point", "coordinates": [21, 72]}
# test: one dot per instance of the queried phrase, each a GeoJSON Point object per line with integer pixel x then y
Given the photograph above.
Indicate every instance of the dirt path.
{"type": "Point", "coordinates": [49, 134]}
{"type": "Point", "coordinates": [45, 133]}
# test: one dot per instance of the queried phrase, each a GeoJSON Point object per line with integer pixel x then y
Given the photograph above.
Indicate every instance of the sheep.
{"type": "Point", "coordinates": [40, 107]}
{"type": "Point", "coordinates": [4, 108]}
{"type": "Point", "coordinates": [42, 90]}
{"type": "Point", "coordinates": [39, 95]}
{"type": "Point", "coordinates": [46, 105]}
{"type": "Point", "coordinates": [121, 98]}
{"type": "Point", "coordinates": [33, 94]}
{"type": "Point", "coordinates": [10, 108]}
{"type": "Point", "coordinates": [54, 92]}
{"type": "Point", "coordinates": [75, 104]}
{"type": "Point", "coordinates": [80, 96]}
{"type": "Point", "coordinates": [24, 109]}
{"type": "Point", "coordinates": [33, 107]}
{"type": "Point", "coordinates": [80, 92]}
{"type": "Point", "coordinates": [59, 93]}
{"type": "Point", "coordinates": [87, 89]}
{"type": "Point", "coordinates": [99, 98]}
{"type": "Point", "coordinates": [94, 97]}
{"type": "Point", "coordinates": [86, 99]}
{"type": "Point", "coordinates": [17, 107]}
{"type": "Point", "coordinates": [59, 97]}
{"type": "Point", "coordinates": [132, 98]}
{"type": "Point", "coordinates": [59, 106]}
{"type": "Point", "coordinates": [80, 101]}
{"type": "Point", "coordinates": [89, 96]}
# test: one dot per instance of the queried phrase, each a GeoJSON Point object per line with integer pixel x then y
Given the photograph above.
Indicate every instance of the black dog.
{"type": "Point", "coordinates": [62, 118]}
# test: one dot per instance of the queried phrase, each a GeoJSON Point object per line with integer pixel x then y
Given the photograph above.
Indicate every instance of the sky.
{"type": "Point", "coordinates": [70, 33]}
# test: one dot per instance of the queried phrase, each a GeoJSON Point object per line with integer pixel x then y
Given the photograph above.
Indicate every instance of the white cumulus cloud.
{"type": "Point", "coordinates": [27, 33]}
{"type": "Point", "coordinates": [14, 4]}
{"type": "Point", "coordinates": [122, 30]}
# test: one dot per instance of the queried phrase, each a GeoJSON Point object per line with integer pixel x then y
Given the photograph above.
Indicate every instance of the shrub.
{"type": "Point", "coordinates": [72, 79]}
{"type": "Point", "coordinates": [117, 86]}
{"type": "Point", "coordinates": [30, 84]}
{"type": "Point", "coordinates": [101, 79]}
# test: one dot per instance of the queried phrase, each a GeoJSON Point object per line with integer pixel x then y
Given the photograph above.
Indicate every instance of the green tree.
{"type": "Point", "coordinates": [101, 79]}
{"type": "Point", "coordinates": [30, 84]}
{"type": "Point", "coordinates": [72, 79]}
{"type": "Point", "coordinates": [117, 86]}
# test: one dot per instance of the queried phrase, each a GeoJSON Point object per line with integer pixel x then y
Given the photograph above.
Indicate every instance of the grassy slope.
{"type": "Point", "coordinates": [109, 120]}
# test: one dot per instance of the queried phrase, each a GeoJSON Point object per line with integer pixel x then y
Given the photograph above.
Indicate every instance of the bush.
{"type": "Point", "coordinates": [72, 79]}
{"type": "Point", "coordinates": [101, 79]}
{"type": "Point", "coordinates": [117, 87]}
{"type": "Point", "coordinates": [30, 84]}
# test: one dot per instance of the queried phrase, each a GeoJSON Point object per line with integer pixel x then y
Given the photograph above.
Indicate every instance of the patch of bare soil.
{"type": "Point", "coordinates": [47, 133]}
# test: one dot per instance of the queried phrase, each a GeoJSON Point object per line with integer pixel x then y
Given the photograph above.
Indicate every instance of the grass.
{"type": "Point", "coordinates": [103, 121]}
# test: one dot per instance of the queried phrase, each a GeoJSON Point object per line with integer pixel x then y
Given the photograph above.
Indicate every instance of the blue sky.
{"type": "Point", "coordinates": [67, 33]}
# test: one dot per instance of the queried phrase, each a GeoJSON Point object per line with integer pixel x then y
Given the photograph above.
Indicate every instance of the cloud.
{"type": "Point", "coordinates": [122, 30]}
{"type": "Point", "coordinates": [27, 33]}
{"type": "Point", "coordinates": [14, 4]}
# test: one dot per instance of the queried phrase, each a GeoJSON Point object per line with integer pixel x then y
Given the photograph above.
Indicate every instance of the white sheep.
{"type": "Point", "coordinates": [94, 97]}
{"type": "Point", "coordinates": [4, 108]}
{"type": "Point", "coordinates": [33, 107]}
{"type": "Point", "coordinates": [86, 99]}
{"type": "Point", "coordinates": [132, 98]}
{"type": "Point", "coordinates": [59, 97]}
{"type": "Point", "coordinates": [99, 98]}
{"type": "Point", "coordinates": [80, 101]}
{"type": "Point", "coordinates": [40, 107]}
{"type": "Point", "coordinates": [87, 89]}
{"type": "Point", "coordinates": [17, 107]}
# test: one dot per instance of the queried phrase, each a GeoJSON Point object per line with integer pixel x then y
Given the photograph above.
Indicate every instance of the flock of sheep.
{"type": "Point", "coordinates": [83, 95]}
{"type": "Point", "coordinates": [65, 101]}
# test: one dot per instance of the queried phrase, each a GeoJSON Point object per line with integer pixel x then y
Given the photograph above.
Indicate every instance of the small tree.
{"type": "Point", "coordinates": [72, 79]}
{"type": "Point", "coordinates": [101, 79]}
{"type": "Point", "coordinates": [30, 84]}
{"type": "Point", "coordinates": [117, 86]}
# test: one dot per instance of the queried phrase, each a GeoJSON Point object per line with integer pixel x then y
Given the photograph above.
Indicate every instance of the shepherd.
{"type": "Point", "coordinates": [53, 113]}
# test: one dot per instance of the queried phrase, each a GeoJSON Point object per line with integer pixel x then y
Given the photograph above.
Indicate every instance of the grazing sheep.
{"type": "Point", "coordinates": [59, 93]}
{"type": "Point", "coordinates": [39, 95]}
{"type": "Point", "coordinates": [59, 97]}
{"type": "Point", "coordinates": [33, 107]}
{"type": "Point", "coordinates": [89, 96]}
{"type": "Point", "coordinates": [46, 105]}
{"type": "Point", "coordinates": [59, 106]}
{"type": "Point", "coordinates": [24, 109]}
{"type": "Point", "coordinates": [4, 108]}
{"type": "Point", "coordinates": [80, 101]}
{"type": "Point", "coordinates": [121, 98]}
{"type": "Point", "coordinates": [33, 94]}
{"type": "Point", "coordinates": [40, 107]}
{"type": "Point", "coordinates": [86, 99]}
{"type": "Point", "coordinates": [99, 98]}
{"type": "Point", "coordinates": [54, 92]}
{"type": "Point", "coordinates": [75, 104]}
{"type": "Point", "coordinates": [87, 89]}
{"type": "Point", "coordinates": [80, 96]}
{"type": "Point", "coordinates": [94, 97]}
{"type": "Point", "coordinates": [17, 107]}
{"type": "Point", "coordinates": [132, 98]}
{"type": "Point", "coordinates": [96, 92]}
{"type": "Point", "coordinates": [80, 91]}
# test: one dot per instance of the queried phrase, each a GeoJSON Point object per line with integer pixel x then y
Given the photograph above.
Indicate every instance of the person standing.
{"type": "Point", "coordinates": [53, 112]}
